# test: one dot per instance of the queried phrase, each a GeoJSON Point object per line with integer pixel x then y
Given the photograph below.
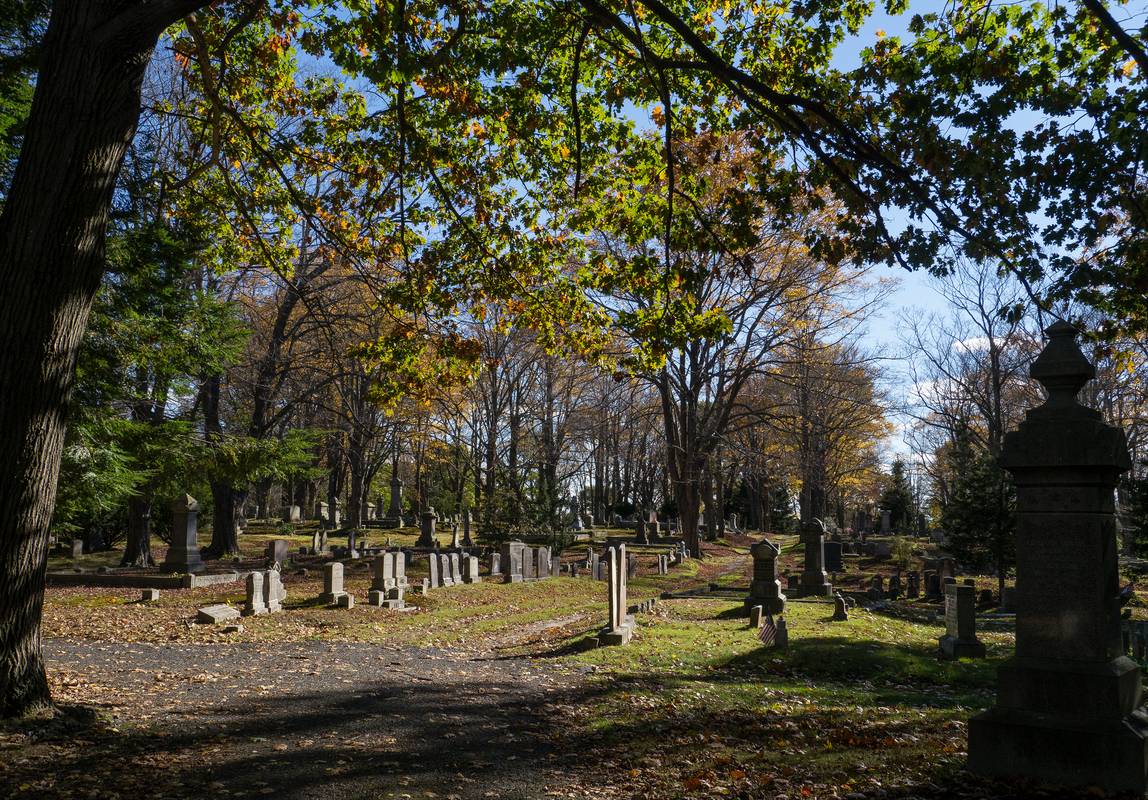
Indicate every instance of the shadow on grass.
{"type": "Point", "coordinates": [475, 730]}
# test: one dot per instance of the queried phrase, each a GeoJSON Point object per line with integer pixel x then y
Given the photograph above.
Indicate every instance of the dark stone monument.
{"type": "Point", "coordinates": [183, 554]}
{"type": "Point", "coordinates": [511, 561]}
{"type": "Point", "coordinates": [913, 585]}
{"type": "Point", "coordinates": [960, 639]}
{"type": "Point", "coordinates": [765, 590]}
{"type": "Point", "coordinates": [833, 560]}
{"type": "Point", "coordinates": [1068, 703]}
{"type": "Point", "coordinates": [427, 529]}
{"type": "Point", "coordinates": [840, 612]}
{"type": "Point", "coordinates": [813, 578]}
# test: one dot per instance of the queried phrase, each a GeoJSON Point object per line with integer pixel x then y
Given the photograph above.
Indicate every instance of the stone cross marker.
{"type": "Point", "coordinates": [332, 583]}
{"type": "Point", "coordinates": [1068, 703]}
{"type": "Point", "coordinates": [765, 590]}
{"type": "Point", "coordinates": [813, 578]}
{"type": "Point", "coordinates": [183, 554]}
{"type": "Point", "coordinates": [960, 639]}
{"type": "Point", "coordinates": [620, 627]}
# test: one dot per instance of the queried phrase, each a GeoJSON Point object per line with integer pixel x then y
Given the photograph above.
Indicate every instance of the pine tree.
{"type": "Point", "coordinates": [897, 499]}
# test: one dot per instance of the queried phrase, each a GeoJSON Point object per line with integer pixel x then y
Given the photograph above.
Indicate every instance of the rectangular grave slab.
{"type": "Point", "coordinates": [210, 615]}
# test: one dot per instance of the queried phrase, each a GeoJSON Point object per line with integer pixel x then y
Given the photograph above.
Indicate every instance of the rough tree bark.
{"type": "Point", "coordinates": [84, 114]}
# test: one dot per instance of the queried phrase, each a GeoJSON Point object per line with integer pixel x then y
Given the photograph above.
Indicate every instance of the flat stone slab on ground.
{"type": "Point", "coordinates": [209, 615]}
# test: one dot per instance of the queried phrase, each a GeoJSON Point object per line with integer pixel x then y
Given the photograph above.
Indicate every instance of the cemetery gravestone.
{"type": "Point", "coordinates": [1068, 703]}
{"type": "Point", "coordinates": [470, 569]}
{"type": "Point", "coordinates": [840, 612]}
{"type": "Point", "coordinates": [427, 529]}
{"type": "Point", "coordinates": [273, 591]}
{"type": "Point", "coordinates": [278, 551]}
{"type": "Point", "coordinates": [183, 554]}
{"type": "Point", "coordinates": [529, 568]}
{"type": "Point", "coordinates": [444, 572]}
{"type": "Point", "coordinates": [254, 604]}
{"type": "Point", "coordinates": [765, 590]}
{"type": "Point", "coordinates": [620, 626]}
{"type": "Point", "coordinates": [960, 639]}
{"type": "Point", "coordinates": [149, 595]}
{"type": "Point", "coordinates": [833, 559]}
{"type": "Point", "coordinates": [913, 585]}
{"type": "Point", "coordinates": [640, 536]}
{"type": "Point", "coordinates": [332, 583]}
{"type": "Point", "coordinates": [756, 616]}
{"type": "Point", "coordinates": [466, 523]}
{"type": "Point", "coordinates": [495, 564]}
{"type": "Point", "coordinates": [210, 615]}
{"type": "Point", "coordinates": [813, 578]}
{"type": "Point", "coordinates": [512, 561]}
{"type": "Point", "coordinates": [77, 548]}
{"type": "Point", "coordinates": [434, 568]}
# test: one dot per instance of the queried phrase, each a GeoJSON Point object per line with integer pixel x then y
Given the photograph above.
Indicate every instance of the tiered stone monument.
{"type": "Point", "coordinates": [1068, 704]}
{"type": "Point", "coordinates": [183, 554]}
{"type": "Point", "coordinates": [388, 581]}
{"type": "Point", "coordinates": [620, 626]}
{"type": "Point", "coordinates": [814, 581]}
{"type": "Point", "coordinates": [427, 528]}
{"type": "Point", "coordinates": [765, 590]}
{"type": "Point", "coordinates": [254, 605]}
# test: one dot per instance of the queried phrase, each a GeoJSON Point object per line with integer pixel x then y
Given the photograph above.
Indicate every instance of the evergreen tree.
{"type": "Point", "coordinates": [978, 517]}
{"type": "Point", "coordinates": [897, 499]}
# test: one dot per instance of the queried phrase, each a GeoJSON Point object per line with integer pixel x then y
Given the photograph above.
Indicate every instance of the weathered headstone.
{"type": "Point", "coordinates": [455, 541]}
{"type": "Point", "coordinates": [620, 626]}
{"type": "Point", "coordinates": [765, 590]}
{"type": "Point", "coordinates": [470, 569]}
{"type": "Point", "coordinates": [455, 567]}
{"type": "Point", "coordinates": [1068, 704]}
{"type": "Point", "coordinates": [388, 581]}
{"type": "Point", "coordinates": [77, 547]}
{"type": "Point", "coordinates": [254, 604]}
{"type": "Point", "coordinates": [273, 592]}
{"type": "Point", "coordinates": [495, 564]}
{"type": "Point", "coordinates": [895, 586]}
{"type": "Point", "coordinates": [833, 559]}
{"type": "Point", "coordinates": [886, 522]}
{"type": "Point", "coordinates": [444, 571]}
{"type": "Point", "coordinates": [292, 513]}
{"type": "Point", "coordinates": [346, 601]}
{"type": "Point", "coordinates": [529, 568]}
{"type": "Point", "coordinates": [960, 639]}
{"type": "Point", "coordinates": [813, 578]}
{"type": "Point", "coordinates": [932, 585]}
{"type": "Point", "coordinates": [877, 587]}
{"type": "Point", "coordinates": [913, 585]}
{"type": "Point", "coordinates": [592, 564]}
{"type": "Point", "coordinates": [434, 571]}
{"type": "Point", "coordinates": [663, 564]}
{"type": "Point", "coordinates": [183, 554]}
{"type": "Point", "coordinates": [542, 564]}
{"type": "Point", "coordinates": [756, 615]}
{"type": "Point", "coordinates": [985, 597]}
{"type": "Point", "coordinates": [840, 611]}
{"type": "Point", "coordinates": [210, 615]}
{"type": "Point", "coordinates": [332, 583]}
{"type": "Point", "coordinates": [793, 584]}
{"type": "Point", "coordinates": [640, 535]}
{"type": "Point", "coordinates": [427, 529]}
{"type": "Point", "coordinates": [278, 551]}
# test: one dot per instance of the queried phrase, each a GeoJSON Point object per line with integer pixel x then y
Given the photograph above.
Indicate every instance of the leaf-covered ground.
{"type": "Point", "coordinates": [494, 690]}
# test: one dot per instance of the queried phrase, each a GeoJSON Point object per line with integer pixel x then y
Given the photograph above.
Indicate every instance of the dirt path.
{"type": "Point", "coordinates": [303, 720]}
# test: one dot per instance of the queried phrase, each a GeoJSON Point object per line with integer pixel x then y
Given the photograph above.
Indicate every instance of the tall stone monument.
{"type": "Point", "coordinates": [620, 627]}
{"type": "Point", "coordinates": [183, 554]}
{"type": "Point", "coordinates": [814, 582]}
{"type": "Point", "coordinates": [765, 590]}
{"type": "Point", "coordinates": [1068, 703]}
{"type": "Point", "coordinates": [395, 509]}
{"type": "Point", "coordinates": [427, 528]}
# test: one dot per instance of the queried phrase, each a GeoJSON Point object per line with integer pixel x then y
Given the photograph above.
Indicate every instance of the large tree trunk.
{"type": "Point", "coordinates": [137, 549]}
{"type": "Point", "coordinates": [84, 114]}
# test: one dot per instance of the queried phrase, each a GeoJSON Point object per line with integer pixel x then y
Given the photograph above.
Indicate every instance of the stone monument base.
{"type": "Point", "coordinates": [769, 605]}
{"type": "Point", "coordinates": [1111, 754]}
{"type": "Point", "coordinates": [330, 598]}
{"type": "Point", "coordinates": [816, 589]}
{"type": "Point", "coordinates": [610, 636]}
{"type": "Point", "coordinates": [380, 600]}
{"type": "Point", "coordinates": [953, 648]}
